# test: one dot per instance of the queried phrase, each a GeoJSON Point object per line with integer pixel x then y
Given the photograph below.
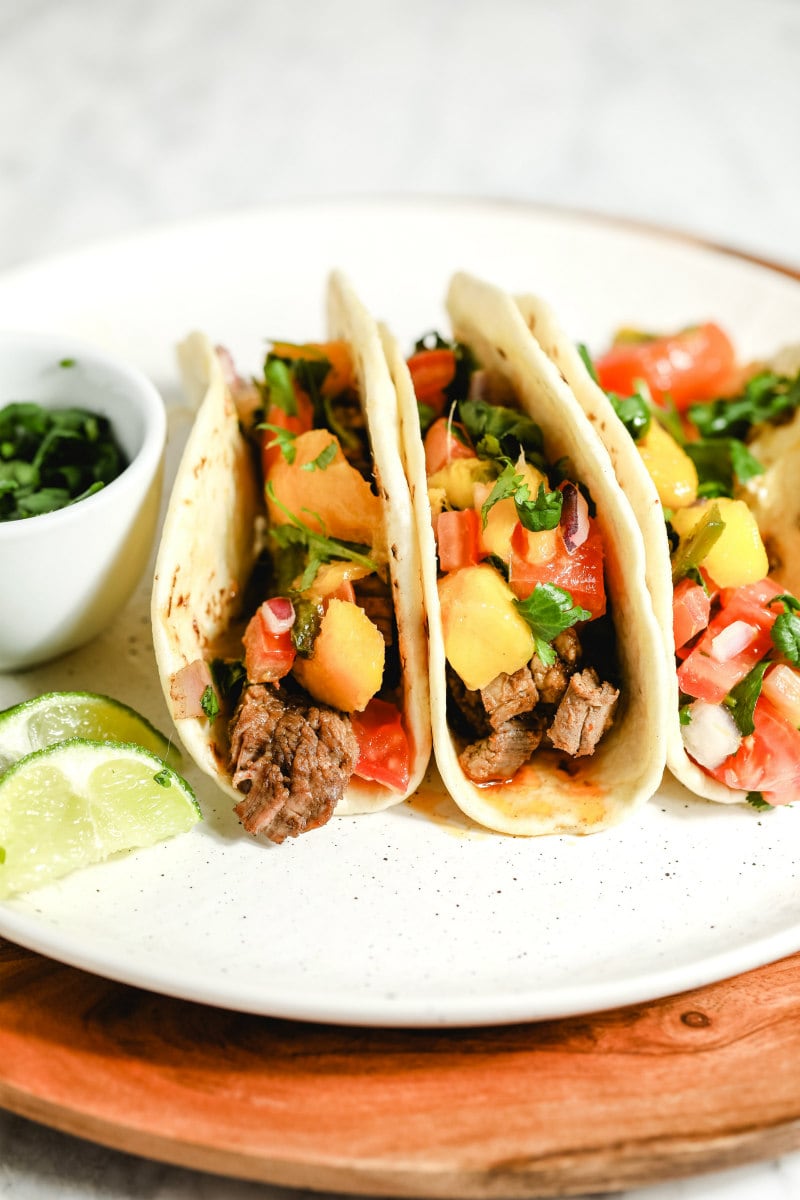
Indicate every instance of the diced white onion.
{"type": "Point", "coordinates": [732, 640]}
{"type": "Point", "coordinates": [711, 735]}
{"type": "Point", "coordinates": [187, 688]}
{"type": "Point", "coordinates": [278, 614]}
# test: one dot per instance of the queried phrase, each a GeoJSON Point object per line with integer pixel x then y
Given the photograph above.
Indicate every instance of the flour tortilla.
{"type": "Point", "coordinates": [637, 485]}
{"type": "Point", "coordinates": [213, 532]}
{"type": "Point", "coordinates": [625, 771]}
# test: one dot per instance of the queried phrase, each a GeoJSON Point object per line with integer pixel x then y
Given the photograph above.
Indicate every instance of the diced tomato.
{"type": "Point", "coordinates": [691, 609]}
{"type": "Point", "coordinates": [768, 759]}
{"type": "Point", "coordinates": [431, 372]}
{"type": "Point", "coordinates": [458, 538]}
{"type": "Point", "coordinates": [695, 364]}
{"type": "Point", "coordinates": [384, 752]}
{"type": "Point", "coordinates": [581, 573]}
{"type": "Point", "coordinates": [299, 423]}
{"type": "Point", "coordinates": [267, 656]}
{"type": "Point", "coordinates": [705, 677]}
{"type": "Point", "coordinates": [444, 442]}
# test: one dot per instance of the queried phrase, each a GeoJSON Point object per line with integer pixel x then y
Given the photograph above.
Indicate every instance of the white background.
{"type": "Point", "coordinates": [117, 116]}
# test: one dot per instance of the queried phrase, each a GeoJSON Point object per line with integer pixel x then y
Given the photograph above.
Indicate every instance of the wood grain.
{"type": "Point", "coordinates": [701, 1081]}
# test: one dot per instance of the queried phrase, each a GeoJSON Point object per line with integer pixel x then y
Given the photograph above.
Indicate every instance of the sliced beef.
{"type": "Point", "coordinates": [291, 759]}
{"type": "Point", "coordinates": [586, 711]}
{"type": "Point", "coordinates": [500, 755]}
{"type": "Point", "coordinates": [509, 696]}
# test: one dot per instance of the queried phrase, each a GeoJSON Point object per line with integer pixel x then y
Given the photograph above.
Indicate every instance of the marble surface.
{"type": "Point", "coordinates": [121, 114]}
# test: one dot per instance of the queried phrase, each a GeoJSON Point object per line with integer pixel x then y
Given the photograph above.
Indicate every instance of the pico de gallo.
{"type": "Point", "coordinates": [693, 412]}
{"type": "Point", "coordinates": [527, 634]}
{"type": "Point", "coordinates": [315, 682]}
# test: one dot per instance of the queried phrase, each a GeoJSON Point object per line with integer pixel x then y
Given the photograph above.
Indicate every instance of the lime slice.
{"type": "Point", "coordinates": [57, 716]}
{"type": "Point", "coordinates": [79, 802]}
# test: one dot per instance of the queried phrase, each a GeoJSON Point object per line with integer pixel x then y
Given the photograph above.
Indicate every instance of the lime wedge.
{"type": "Point", "coordinates": [57, 716]}
{"type": "Point", "coordinates": [78, 802]}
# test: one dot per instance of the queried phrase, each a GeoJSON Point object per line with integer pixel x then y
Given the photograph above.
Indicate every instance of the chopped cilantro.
{"type": "Point", "coordinates": [323, 459]}
{"type": "Point", "coordinates": [722, 463]}
{"type": "Point", "coordinates": [209, 703]}
{"type": "Point", "coordinates": [318, 547]}
{"type": "Point", "coordinates": [549, 610]}
{"type": "Point", "coordinates": [542, 513]}
{"type": "Point", "coordinates": [685, 714]}
{"type": "Point", "coordinates": [742, 699]}
{"type": "Point", "coordinates": [786, 630]}
{"type": "Point", "coordinates": [767, 398]}
{"type": "Point", "coordinates": [307, 621]}
{"type": "Point", "coordinates": [757, 801]}
{"type": "Point", "coordinates": [500, 432]}
{"type": "Point", "coordinates": [284, 438]}
{"type": "Point", "coordinates": [163, 778]}
{"type": "Point", "coordinates": [67, 362]}
{"type": "Point", "coordinates": [278, 385]}
{"type": "Point", "coordinates": [51, 458]}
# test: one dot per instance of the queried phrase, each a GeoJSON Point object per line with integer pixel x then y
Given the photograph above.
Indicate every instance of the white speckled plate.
{"type": "Point", "coordinates": [408, 917]}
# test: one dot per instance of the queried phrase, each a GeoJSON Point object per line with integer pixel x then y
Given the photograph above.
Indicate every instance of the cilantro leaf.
{"type": "Point", "coordinates": [721, 463]}
{"type": "Point", "coordinates": [758, 802]}
{"type": "Point", "coordinates": [633, 411]}
{"type": "Point", "coordinates": [278, 385]}
{"type": "Point", "coordinates": [163, 778]}
{"type": "Point", "coordinates": [542, 513]}
{"type": "Point", "coordinates": [786, 630]}
{"type": "Point", "coordinates": [497, 431]}
{"type": "Point", "coordinates": [741, 700]}
{"type": "Point", "coordinates": [767, 398]}
{"type": "Point", "coordinates": [323, 459]}
{"type": "Point", "coordinates": [549, 610]}
{"type": "Point", "coordinates": [318, 547]}
{"type": "Point", "coordinates": [284, 438]}
{"type": "Point", "coordinates": [209, 703]}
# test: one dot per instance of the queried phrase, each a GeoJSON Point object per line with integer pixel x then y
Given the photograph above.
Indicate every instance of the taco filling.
{"type": "Point", "coordinates": [309, 681]}
{"type": "Point", "coordinates": [528, 638]}
{"type": "Point", "coordinates": [701, 423]}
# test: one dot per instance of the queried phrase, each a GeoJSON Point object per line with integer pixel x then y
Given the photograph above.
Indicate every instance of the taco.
{"type": "Point", "coordinates": [546, 671]}
{"type": "Point", "coordinates": [287, 605]}
{"type": "Point", "coordinates": [726, 612]}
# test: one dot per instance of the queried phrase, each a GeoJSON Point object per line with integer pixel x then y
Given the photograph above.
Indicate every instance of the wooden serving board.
{"type": "Point", "coordinates": [701, 1081]}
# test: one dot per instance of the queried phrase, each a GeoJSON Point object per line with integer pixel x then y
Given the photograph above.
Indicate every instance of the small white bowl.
{"type": "Point", "coordinates": [65, 574]}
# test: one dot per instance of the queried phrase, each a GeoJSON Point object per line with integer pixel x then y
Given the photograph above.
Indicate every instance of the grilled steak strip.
{"type": "Point", "coordinates": [499, 756]}
{"type": "Point", "coordinates": [509, 696]}
{"type": "Point", "coordinates": [291, 759]}
{"type": "Point", "coordinates": [584, 714]}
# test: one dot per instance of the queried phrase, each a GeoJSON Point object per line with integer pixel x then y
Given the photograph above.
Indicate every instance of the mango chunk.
{"type": "Point", "coordinates": [346, 667]}
{"type": "Point", "coordinates": [458, 477]}
{"type": "Point", "coordinates": [483, 631]}
{"type": "Point", "coordinates": [669, 467]}
{"type": "Point", "coordinates": [332, 498]}
{"type": "Point", "coordinates": [738, 556]}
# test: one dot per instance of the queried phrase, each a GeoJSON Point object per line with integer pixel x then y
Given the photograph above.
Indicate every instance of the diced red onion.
{"type": "Point", "coordinates": [278, 614]}
{"type": "Point", "coordinates": [732, 640]}
{"type": "Point", "coordinates": [574, 518]}
{"type": "Point", "coordinates": [711, 735]}
{"type": "Point", "coordinates": [187, 688]}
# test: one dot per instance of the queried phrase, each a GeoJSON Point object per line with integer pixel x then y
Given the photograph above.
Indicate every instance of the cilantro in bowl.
{"type": "Point", "coordinates": [52, 457]}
